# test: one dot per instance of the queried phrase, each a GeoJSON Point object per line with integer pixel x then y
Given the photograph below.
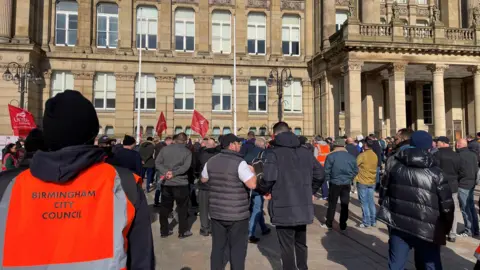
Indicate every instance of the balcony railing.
{"type": "Point", "coordinates": [463, 34]}
{"type": "Point", "coordinates": [420, 32]}
{"type": "Point", "coordinates": [375, 30]}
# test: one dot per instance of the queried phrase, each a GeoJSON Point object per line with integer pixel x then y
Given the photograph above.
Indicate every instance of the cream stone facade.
{"type": "Point", "coordinates": [383, 65]}
{"type": "Point", "coordinates": [91, 46]}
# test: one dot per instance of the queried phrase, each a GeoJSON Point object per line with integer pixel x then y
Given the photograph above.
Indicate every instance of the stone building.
{"type": "Point", "coordinates": [382, 65]}
{"type": "Point", "coordinates": [92, 46]}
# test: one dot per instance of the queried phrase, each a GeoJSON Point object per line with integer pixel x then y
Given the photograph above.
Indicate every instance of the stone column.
{"type": "Point", "coordinates": [83, 82]}
{"type": "Point", "coordinates": [476, 90]}
{"type": "Point", "coordinates": [307, 107]}
{"type": "Point", "coordinates": [5, 20]}
{"type": "Point", "coordinates": [125, 119]}
{"type": "Point", "coordinates": [370, 11]}
{"type": "Point", "coordinates": [438, 71]}
{"type": "Point", "coordinates": [396, 95]}
{"type": "Point", "coordinates": [165, 29]}
{"type": "Point", "coordinates": [450, 13]}
{"type": "Point", "coordinates": [242, 105]}
{"type": "Point", "coordinates": [85, 30]}
{"type": "Point", "coordinates": [165, 90]}
{"type": "Point", "coordinates": [353, 95]}
{"type": "Point", "coordinates": [470, 6]}
{"type": "Point", "coordinates": [203, 96]}
{"type": "Point", "coordinates": [419, 123]}
{"type": "Point", "coordinates": [203, 40]}
{"type": "Point", "coordinates": [453, 105]}
{"type": "Point", "coordinates": [328, 105]}
{"type": "Point", "coordinates": [22, 22]}
{"type": "Point", "coordinates": [368, 111]}
{"type": "Point", "coordinates": [328, 22]}
{"type": "Point", "coordinates": [125, 19]}
{"type": "Point", "coordinates": [275, 37]}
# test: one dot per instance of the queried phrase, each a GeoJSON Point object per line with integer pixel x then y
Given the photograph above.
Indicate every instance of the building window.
{"type": "Point", "coordinates": [222, 94]}
{"type": "Point", "coordinates": [149, 131]}
{"type": "Point", "coordinates": [402, 1]}
{"type": "Point", "coordinates": [257, 33]}
{"type": "Point", "coordinates": [104, 91]}
{"type": "Point", "coordinates": [61, 81]}
{"type": "Point", "coordinates": [341, 95]}
{"type": "Point", "coordinates": [421, 2]}
{"type": "Point", "coordinates": [184, 30]}
{"type": "Point", "coordinates": [254, 129]}
{"type": "Point", "coordinates": [66, 24]}
{"type": "Point", "coordinates": [293, 97]}
{"type": "Point", "coordinates": [291, 35]}
{"type": "Point", "coordinates": [147, 18]}
{"type": "Point", "coordinates": [257, 95]}
{"type": "Point", "coordinates": [109, 131]}
{"type": "Point", "coordinates": [188, 131]}
{"type": "Point", "coordinates": [221, 32]}
{"type": "Point", "coordinates": [216, 131]}
{"type": "Point", "coordinates": [226, 130]}
{"type": "Point", "coordinates": [340, 18]}
{"type": "Point", "coordinates": [148, 92]}
{"type": "Point", "coordinates": [141, 131]}
{"type": "Point", "coordinates": [262, 131]}
{"type": "Point", "coordinates": [427, 105]}
{"type": "Point", "coordinates": [107, 25]}
{"type": "Point", "coordinates": [178, 130]}
{"type": "Point", "coordinates": [298, 131]}
{"type": "Point", "coordinates": [184, 93]}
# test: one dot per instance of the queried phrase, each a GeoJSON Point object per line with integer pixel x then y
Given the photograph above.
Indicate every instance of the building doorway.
{"type": "Point", "coordinates": [409, 114]}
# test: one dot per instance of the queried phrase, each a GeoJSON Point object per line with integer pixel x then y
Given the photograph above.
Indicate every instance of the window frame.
{"type": "Point", "coordinates": [338, 26]}
{"type": "Point", "coordinates": [257, 87]}
{"type": "Point", "coordinates": [67, 25]}
{"type": "Point", "coordinates": [290, 31]}
{"type": "Point", "coordinates": [184, 94]}
{"type": "Point", "coordinates": [185, 23]}
{"type": "Point", "coordinates": [107, 26]}
{"type": "Point", "coordinates": [105, 91]}
{"type": "Point", "coordinates": [147, 20]}
{"type": "Point", "coordinates": [108, 128]}
{"type": "Point", "coordinates": [144, 92]}
{"type": "Point", "coordinates": [64, 74]}
{"type": "Point", "coordinates": [222, 94]}
{"type": "Point", "coordinates": [256, 26]}
{"type": "Point", "coordinates": [221, 25]}
{"type": "Point", "coordinates": [292, 97]}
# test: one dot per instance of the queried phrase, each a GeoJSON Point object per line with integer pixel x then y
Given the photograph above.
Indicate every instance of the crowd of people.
{"type": "Point", "coordinates": [422, 183]}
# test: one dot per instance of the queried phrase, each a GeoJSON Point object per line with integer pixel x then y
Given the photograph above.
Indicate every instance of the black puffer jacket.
{"type": "Point", "coordinates": [449, 162]}
{"type": "Point", "coordinates": [417, 198]}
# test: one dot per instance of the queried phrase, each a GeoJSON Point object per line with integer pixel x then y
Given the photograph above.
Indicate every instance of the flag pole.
{"type": "Point", "coordinates": [234, 75]}
{"type": "Point", "coordinates": [139, 78]}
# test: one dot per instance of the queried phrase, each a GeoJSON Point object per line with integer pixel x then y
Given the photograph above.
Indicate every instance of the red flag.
{"type": "Point", "coordinates": [199, 124]}
{"type": "Point", "coordinates": [22, 121]}
{"type": "Point", "coordinates": [161, 125]}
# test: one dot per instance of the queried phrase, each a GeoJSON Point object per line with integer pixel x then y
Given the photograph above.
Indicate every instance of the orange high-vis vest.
{"type": "Point", "coordinates": [477, 253]}
{"type": "Point", "coordinates": [82, 224]}
{"type": "Point", "coordinates": [323, 151]}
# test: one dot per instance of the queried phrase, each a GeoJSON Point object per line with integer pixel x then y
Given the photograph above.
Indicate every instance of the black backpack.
{"type": "Point", "coordinates": [257, 165]}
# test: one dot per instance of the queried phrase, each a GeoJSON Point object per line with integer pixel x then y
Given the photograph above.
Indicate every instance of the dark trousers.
{"type": "Point", "coordinates": [231, 234]}
{"type": "Point", "coordinates": [335, 191]}
{"type": "Point", "coordinates": [293, 246]}
{"type": "Point", "coordinates": [427, 254]}
{"type": "Point", "coordinates": [179, 194]}
{"type": "Point", "coordinates": [203, 196]}
{"type": "Point", "coordinates": [150, 172]}
{"type": "Point", "coordinates": [477, 266]}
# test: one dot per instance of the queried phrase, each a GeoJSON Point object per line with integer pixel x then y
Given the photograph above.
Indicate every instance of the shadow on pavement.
{"type": "Point", "coordinates": [270, 249]}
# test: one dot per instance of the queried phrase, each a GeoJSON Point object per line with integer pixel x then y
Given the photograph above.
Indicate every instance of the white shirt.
{"type": "Point", "coordinates": [244, 172]}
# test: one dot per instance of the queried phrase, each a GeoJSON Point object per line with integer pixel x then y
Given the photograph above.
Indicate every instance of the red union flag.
{"type": "Point", "coordinates": [199, 124]}
{"type": "Point", "coordinates": [161, 125]}
{"type": "Point", "coordinates": [22, 121]}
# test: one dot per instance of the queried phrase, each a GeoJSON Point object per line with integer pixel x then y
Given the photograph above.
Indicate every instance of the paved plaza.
{"type": "Point", "coordinates": [355, 249]}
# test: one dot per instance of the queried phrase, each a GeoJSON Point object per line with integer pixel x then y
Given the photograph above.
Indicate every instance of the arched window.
{"type": "Point", "coordinates": [221, 31]}
{"type": "Point", "coordinates": [147, 25]}
{"type": "Point", "coordinates": [66, 23]}
{"type": "Point", "coordinates": [107, 25]}
{"type": "Point", "coordinates": [184, 29]}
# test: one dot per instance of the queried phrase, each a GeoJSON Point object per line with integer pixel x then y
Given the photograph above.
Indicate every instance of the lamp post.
{"type": "Point", "coordinates": [22, 75]}
{"type": "Point", "coordinates": [283, 79]}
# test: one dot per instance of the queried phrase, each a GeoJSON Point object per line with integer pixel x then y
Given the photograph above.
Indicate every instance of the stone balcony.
{"type": "Point", "coordinates": [398, 37]}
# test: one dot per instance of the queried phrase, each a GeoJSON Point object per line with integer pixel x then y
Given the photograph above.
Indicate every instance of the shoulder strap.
{"type": "Point", "coordinates": [129, 184]}
{"type": "Point", "coordinates": [6, 177]}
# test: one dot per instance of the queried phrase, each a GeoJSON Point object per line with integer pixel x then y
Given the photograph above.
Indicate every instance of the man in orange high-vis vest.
{"type": "Point", "coordinates": [71, 210]}
{"type": "Point", "coordinates": [321, 151]}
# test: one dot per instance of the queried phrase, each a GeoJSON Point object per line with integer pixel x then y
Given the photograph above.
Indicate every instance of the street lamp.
{"type": "Point", "coordinates": [283, 79]}
{"type": "Point", "coordinates": [22, 75]}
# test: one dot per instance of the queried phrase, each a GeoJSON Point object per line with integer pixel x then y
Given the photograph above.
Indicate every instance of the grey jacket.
{"type": "Point", "coordinates": [176, 158]}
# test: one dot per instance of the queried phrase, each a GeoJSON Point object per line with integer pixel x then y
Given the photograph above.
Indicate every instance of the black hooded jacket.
{"type": "Point", "coordinates": [63, 166]}
{"type": "Point", "coordinates": [450, 163]}
{"type": "Point", "coordinates": [292, 175]}
{"type": "Point", "coordinates": [417, 199]}
{"type": "Point", "coordinates": [202, 157]}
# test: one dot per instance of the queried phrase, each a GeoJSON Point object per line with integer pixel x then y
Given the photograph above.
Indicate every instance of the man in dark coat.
{"type": "Point", "coordinates": [416, 203]}
{"type": "Point", "coordinates": [466, 187]}
{"type": "Point", "coordinates": [147, 151]}
{"type": "Point", "coordinates": [248, 148]}
{"type": "Point", "coordinates": [351, 147]}
{"type": "Point", "coordinates": [126, 157]}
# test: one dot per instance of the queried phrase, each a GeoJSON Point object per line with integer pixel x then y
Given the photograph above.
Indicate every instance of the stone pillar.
{"type": "Point", "coordinates": [328, 105]}
{"type": "Point", "coordinates": [470, 106]}
{"type": "Point", "coordinates": [203, 23]}
{"type": "Point", "coordinates": [470, 6]}
{"type": "Point", "coordinates": [203, 96]}
{"type": "Point", "coordinates": [438, 71]}
{"type": "Point", "coordinates": [83, 83]}
{"type": "Point", "coordinates": [450, 13]}
{"type": "Point", "coordinates": [242, 105]}
{"type": "Point", "coordinates": [5, 21]}
{"type": "Point", "coordinates": [385, 89]}
{"type": "Point", "coordinates": [353, 95]}
{"type": "Point", "coordinates": [370, 11]}
{"type": "Point", "coordinates": [328, 22]}
{"type": "Point", "coordinates": [165, 29]}
{"type": "Point", "coordinates": [453, 106]}
{"type": "Point", "coordinates": [419, 123]}
{"type": "Point", "coordinates": [165, 102]}
{"type": "Point", "coordinates": [307, 107]}
{"type": "Point", "coordinates": [476, 90]}
{"type": "Point", "coordinates": [125, 19]}
{"type": "Point", "coordinates": [85, 30]}
{"type": "Point", "coordinates": [22, 22]}
{"type": "Point", "coordinates": [308, 36]}
{"type": "Point", "coordinates": [125, 119]}
{"type": "Point", "coordinates": [396, 95]}
{"type": "Point", "coordinates": [275, 32]}
{"type": "Point", "coordinates": [368, 110]}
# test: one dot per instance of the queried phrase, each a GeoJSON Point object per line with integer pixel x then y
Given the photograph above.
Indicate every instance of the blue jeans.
{"type": "Point", "coordinates": [467, 206]}
{"type": "Point", "coordinates": [427, 254]}
{"type": "Point", "coordinates": [256, 204]}
{"type": "Point", "coordinates": [150, 176]}
{"type": "Point", "coordinates": [366, 197]}
{"type": "Point", "coordinates": [325, 190]}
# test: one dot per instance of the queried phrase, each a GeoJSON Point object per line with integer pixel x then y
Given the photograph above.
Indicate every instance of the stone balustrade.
{"type": "Point", "coordinates": [460, 34]}
{"type": "Point", "coordinates": [375, 30]}
{"type": "Point", "coordinates": [417, 32]}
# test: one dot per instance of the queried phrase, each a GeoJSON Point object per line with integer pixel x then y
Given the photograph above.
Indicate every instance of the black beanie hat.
{"type": "Point", "coordinates": [34, 141]}
{"type": "Point", "coordinates": [69, 119]}
{"type": "Point", "coordinates": [128, 140]}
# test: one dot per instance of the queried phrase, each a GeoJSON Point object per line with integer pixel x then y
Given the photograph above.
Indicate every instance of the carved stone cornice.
{"type": "Point", "coordinates": [258, 4]}
{"type": "Point", "coordinates": [475, 70]}
{"type": "Point", "coordinates": [222, 2]}
{"type": "Point", "coordinates": [185, 1]}
{"type": "Point", "coordinates": [341, 2]}
{"type": "Point", "coordinates": [396, 67]}
{"type": "Point", "coordinates": [437, 68]}
{"type": "Point", "coordinates": [203, 79]}
{"type": "Point", "coordinates": [423, 12]}
{"type": "Point", "coordinates": [125, 76]}
{"type": "Point", "coordinates": [165, 78]}
{"type": "Point", "coordinates": [292, 5]}
{"type": "Point", "coordinates": [348, 66]}
{"type": "Point", "coordinates": [243, 80]}
{"type": "Point", "coordinates": [83, 75]}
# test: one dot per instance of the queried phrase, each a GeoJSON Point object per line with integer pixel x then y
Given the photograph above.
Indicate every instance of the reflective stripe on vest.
{"type": "Point", "coordinates": [323, 151]}
{"type": "Point", "coordinates": [79, 225]}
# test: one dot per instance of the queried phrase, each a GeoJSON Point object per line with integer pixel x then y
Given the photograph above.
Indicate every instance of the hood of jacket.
{"type": "Point", "coordinates": [65, 164]}
{"type": "Point", "coordinates": [213, 150]}
{"type": "Point", "coordinates": [287, 139]}
{"type": "Point", "coordinates": [146, 144]}
{"type": "Point", "coordinates": [415, 157]}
